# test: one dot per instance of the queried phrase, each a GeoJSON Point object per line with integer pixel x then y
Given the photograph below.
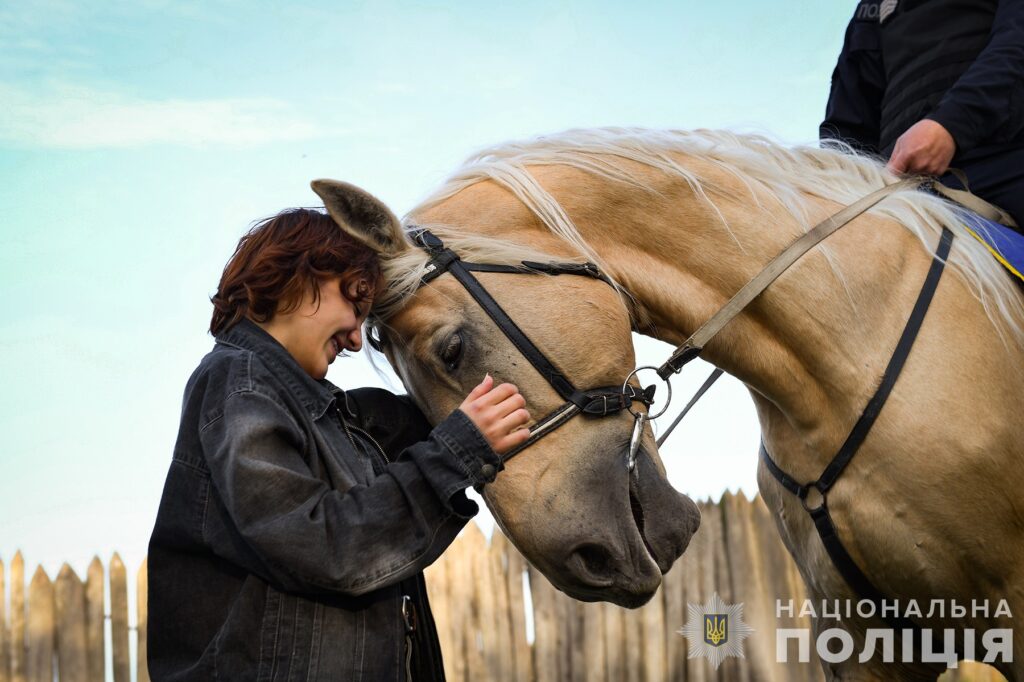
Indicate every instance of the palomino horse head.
{"type": "Point", "coordinates": [568, 502]}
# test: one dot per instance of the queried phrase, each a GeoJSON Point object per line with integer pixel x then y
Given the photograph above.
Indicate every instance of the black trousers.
{"type": "Point", "coordinates": [997, 178]}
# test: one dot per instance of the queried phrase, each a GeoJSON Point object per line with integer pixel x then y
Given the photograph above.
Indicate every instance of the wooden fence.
{"type": "Point", "coordinates": [478, 593]}
{"type": "Point", "coordinates": [59, 631]}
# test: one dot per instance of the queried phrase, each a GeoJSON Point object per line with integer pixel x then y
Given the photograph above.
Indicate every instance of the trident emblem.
{"type": "Point", "coordinates": [716, 629]}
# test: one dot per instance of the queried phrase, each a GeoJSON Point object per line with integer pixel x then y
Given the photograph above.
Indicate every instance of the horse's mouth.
{"type": "Point", "coordinates": [665, 519]}
{"type": "Point", "coordinates": [638, 516]}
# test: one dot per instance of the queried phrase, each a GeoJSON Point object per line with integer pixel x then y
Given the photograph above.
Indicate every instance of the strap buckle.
{"type": "Point", "coordinates": [427, 240]}
{"type": "Point", "coordinates": [682, 355]}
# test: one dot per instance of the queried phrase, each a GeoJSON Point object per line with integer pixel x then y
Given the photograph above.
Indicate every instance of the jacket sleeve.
{"type": "Point", "coordinates": [304, 536]}
{"type": "Point", "coordinates": [854, 110]}
{"type": "Point", "coordinates": [986, 104]}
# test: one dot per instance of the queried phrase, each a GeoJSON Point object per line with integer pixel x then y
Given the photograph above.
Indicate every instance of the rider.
{"type": "Point", "coordinates": [930, 84]}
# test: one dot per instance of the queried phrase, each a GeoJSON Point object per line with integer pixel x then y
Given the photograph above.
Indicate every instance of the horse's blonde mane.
{"type": "Point", "coordinates": [834, 172]}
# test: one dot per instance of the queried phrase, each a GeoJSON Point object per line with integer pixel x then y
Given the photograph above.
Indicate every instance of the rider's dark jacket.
{"type": "Point", "coordinates": [958, 62]}
{"type": "Point", "coordinates": [295, 521]}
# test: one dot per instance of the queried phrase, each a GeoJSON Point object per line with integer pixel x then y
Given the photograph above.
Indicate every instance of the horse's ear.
{"type": "Point", "coordinates": [362, 215]}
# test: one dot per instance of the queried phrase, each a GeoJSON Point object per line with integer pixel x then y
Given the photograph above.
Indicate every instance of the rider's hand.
{"type": "Point", "coordinates": [926, 148]}
{"type": "Point", "coordinates": [499, 413]}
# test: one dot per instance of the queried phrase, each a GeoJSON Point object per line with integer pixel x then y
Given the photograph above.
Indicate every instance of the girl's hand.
{"type": "Point", "coordinates": [499, 413]}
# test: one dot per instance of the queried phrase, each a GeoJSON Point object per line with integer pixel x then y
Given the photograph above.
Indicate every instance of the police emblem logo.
{"type": "Point", "coordinates": [715, 630]}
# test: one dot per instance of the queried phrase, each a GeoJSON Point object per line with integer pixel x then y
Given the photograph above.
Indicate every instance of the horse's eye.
{"type": "Point", "coordinates": [451, 351]}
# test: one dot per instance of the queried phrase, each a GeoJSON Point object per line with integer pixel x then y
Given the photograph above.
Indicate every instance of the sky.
{"type": "Point", "coordinates": [139, 140]}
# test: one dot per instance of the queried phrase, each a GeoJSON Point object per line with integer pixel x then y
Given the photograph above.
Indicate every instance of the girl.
{"type": "Point", "coordinates": [297, 518]}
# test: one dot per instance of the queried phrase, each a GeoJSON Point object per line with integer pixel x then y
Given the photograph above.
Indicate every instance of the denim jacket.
{"type": "Point", "coordinates": [296, 521]}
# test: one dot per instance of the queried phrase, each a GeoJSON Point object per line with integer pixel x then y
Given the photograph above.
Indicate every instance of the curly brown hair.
{"type": "Point", "coordinates": [281, 258]}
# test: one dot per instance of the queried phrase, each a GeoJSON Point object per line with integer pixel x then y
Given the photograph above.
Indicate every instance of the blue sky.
{"type": "Point", "coordinates": [138, 140]}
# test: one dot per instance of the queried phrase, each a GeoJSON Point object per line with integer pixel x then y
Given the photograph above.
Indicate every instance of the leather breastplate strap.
{"type": "Point", "coordinates": [844, 563]}
{"type": "Point", "coordinates": [692, 347]}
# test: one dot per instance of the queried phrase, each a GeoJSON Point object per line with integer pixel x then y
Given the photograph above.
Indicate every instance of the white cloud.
{"type": "Point", "coordinates": [71, 117]}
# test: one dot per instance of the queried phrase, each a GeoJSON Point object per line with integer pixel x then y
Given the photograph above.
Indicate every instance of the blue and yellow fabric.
{"type": "Point", "coordinates": [1006, 245]}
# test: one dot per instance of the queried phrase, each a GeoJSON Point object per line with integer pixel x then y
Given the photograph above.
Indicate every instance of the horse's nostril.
{"type": "Point", "coordinates": [595, 560]}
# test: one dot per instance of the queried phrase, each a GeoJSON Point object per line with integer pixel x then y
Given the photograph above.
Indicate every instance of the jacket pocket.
{"type": "Point", "coordinates": [290, 638]}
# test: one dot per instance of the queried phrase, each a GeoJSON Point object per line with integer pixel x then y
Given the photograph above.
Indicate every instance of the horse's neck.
{"type": "Point", "coordinates": [803, 346]}
{"type": "Point", "coordinates": [810, 348]}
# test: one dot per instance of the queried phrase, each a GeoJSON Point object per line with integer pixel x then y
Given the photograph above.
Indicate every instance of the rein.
{"type": "Point", "coordinates": [604, 401]}
{"type": "Point", "coordinates": [691, 348]}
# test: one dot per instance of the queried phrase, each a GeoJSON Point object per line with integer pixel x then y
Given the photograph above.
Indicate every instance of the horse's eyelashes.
{"type": "Point", "coordinates": [451, 351]}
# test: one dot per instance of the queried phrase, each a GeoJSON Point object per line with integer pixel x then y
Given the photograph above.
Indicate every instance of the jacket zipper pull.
{"type": "Point", "coordinates": [409, 613]}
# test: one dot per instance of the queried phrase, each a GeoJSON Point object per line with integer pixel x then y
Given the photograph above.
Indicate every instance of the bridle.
{"type": "Point", "coordinates": [601, 401]}
{"type": "Point", "coordinates": [605, 401]}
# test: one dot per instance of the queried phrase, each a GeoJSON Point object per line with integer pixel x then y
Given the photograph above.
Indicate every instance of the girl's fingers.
{"type": "Point", "coordinates": [513, 421]}
{"type": "Point", "coordinates": [499, 394]}
{"type": "Point", "coordinates": [517, 437]}
{"type": "Point", "coordinates": [481, 388]}
{"type": "Point", "coordinates": [509, 405]}
{"type": "Point", "coordinates": [499, 412]}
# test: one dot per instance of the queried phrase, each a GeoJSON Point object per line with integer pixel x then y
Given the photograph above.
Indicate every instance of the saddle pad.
{"type": "Point", "coordinates": [1006, 244]}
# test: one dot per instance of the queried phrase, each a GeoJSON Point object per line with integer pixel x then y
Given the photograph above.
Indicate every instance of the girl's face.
{"type": "Point", "coordinates": [315, 333]}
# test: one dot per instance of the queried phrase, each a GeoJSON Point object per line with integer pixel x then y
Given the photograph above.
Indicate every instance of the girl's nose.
{"type": "Point", "coordinates": [354, 339]}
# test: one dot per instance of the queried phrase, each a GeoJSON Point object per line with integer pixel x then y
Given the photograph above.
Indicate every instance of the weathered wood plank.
{"type": "Point", "coordinates": [17, 641]}
{"type": "Point", "coordinates": [522, 657]}
{"type": "Point", "coordinates": [593, 642]}
{"type": "Point", "coordinates": [436, 576]}
{"type": "Point", "coordinates": [119, 619]}
{"type": "Point", "coordinates": [498, 565]}
{"type": "Point", "coordinates": [732, 668]}
{"type": "Point", "coordinates": [632, 626]}
{"type": "Point", "coordinates": [41, 612]}
{"type": "Point", "coordinates": [72, 656]}
{"type": "Point", "coordinates": [545, 626]}
{"type": "Point", "coordinates": [142, 628]}
{"type": "Point", "coordinates": [574, 625]}
{"type": "Point", "coordinates": [5, 668]}
{"type": "Point", "coordinates": [614, 632]}
{"type": "Point", "coordinates": [673, 596]}
{"type": "Point", "coordinates": [781, 574]}
{"type": "Point", "coordinates": [460, 578]}
{"type": "Point", "coordinates": [700, 568]}
{"type": "Point", "coordinates": [94, 619]}
{"type": "Point", "coordinates": [755, 588]}
{"type": "Point", "coordinates": [652, 624]}
{"type": "Point", "coordinates": [478, 658]}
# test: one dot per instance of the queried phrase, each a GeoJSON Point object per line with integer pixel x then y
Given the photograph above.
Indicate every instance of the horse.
{"type": "Point", "coordinates": [930, 509]}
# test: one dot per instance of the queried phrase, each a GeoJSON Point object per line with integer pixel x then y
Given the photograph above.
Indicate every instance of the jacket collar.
{"type": "Point", "coordinates": [315, 395]}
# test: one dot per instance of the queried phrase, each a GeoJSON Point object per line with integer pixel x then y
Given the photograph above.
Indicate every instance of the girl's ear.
{"type": "Point", "coordinates": [362, 215]}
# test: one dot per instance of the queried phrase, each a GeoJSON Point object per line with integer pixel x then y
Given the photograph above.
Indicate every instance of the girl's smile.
{"type": "Point", "coordinates": [319, 329]}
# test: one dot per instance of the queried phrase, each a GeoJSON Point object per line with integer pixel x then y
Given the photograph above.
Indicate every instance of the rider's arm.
{"type": "Point", "coordinates": [986, 105]}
